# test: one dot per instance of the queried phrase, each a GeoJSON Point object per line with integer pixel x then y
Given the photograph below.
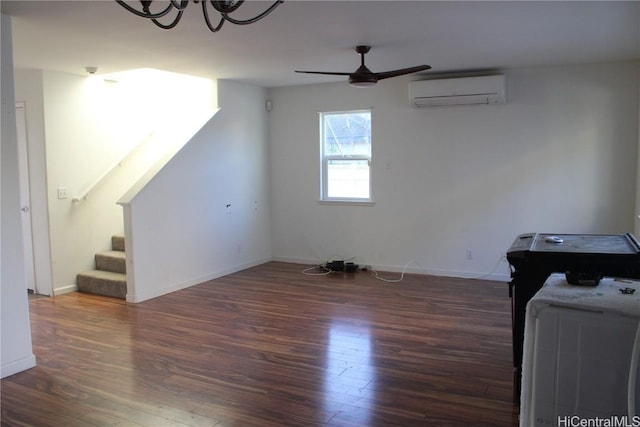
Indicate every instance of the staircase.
{"type": "Point", "coordinates": [109, 278]}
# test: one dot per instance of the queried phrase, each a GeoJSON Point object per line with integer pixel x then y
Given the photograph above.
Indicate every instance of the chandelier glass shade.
{"type": "Point", "coordinates": [175, 9]}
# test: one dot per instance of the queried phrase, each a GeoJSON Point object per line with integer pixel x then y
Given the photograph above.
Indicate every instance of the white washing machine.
{"type": "Point", "coordinates": [580, 360]}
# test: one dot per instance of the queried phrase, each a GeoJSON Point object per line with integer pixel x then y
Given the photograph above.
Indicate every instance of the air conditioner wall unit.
{"type": "Point", "coordinates": [458, 91]}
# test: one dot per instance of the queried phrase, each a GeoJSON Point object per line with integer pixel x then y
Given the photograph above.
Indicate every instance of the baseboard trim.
{"type": "Point", "coordinates": [65, 290]}
{"type": "Point", "coordinates": [137, 298]}
{"type": "Point", "coordinates": [411, 269]}
{"type": "Point", "coordinates": [19, 365]}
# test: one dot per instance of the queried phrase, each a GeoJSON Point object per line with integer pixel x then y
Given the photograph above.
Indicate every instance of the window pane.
{"type": "Point", "coordinates": [348, 179]}
{"type": "Point", "coordinates": [346, 155]}
{"type": "Point", "coordinates": [347, 134]}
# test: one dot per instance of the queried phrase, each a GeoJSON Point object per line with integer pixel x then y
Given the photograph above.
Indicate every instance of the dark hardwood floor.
{"type": "Point", "coordinates": [270, 346]}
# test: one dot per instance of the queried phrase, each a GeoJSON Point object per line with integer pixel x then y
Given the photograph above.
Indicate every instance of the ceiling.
{"type": "Point", "coordinates": [451, 36]}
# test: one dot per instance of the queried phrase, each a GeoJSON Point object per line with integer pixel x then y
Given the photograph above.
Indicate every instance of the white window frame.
{"type": "Point", "coordinates": [324, 162]}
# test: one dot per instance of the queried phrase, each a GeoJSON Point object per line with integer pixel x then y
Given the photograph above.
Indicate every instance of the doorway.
{"type": "Point", "coordinates": [25, 197]}
{"type": "Point", "coordinates": [32, 284]}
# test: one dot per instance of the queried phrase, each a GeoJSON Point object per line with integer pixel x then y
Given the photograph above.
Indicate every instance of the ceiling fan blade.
{"type": "Point", "coordinates": [324, 72]}
{"type": "Point", "coordinates": [401, 72]}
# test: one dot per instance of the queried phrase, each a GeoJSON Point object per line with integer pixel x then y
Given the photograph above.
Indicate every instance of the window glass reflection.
{"type": "Point", "coordinates": [350, 375]}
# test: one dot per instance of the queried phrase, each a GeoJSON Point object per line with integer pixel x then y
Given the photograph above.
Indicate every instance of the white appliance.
{"type": "Point", "coordinates": [442, 92]}
{"type": "Point", "coordinates": [580, 360]}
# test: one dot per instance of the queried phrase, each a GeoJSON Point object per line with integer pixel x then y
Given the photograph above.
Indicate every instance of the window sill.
{"type": "Point", "coordinates": [347, 202]}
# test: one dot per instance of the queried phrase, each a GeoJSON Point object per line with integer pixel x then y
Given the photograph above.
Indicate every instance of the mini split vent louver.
{"type": "Point", "coordinates": [458, 91]}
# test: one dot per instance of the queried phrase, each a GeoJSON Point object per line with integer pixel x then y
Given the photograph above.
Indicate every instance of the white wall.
{"type": "Point", "coordinates": [206, 213]}
{"type": "Point", "coordinates": [560, 157]}
{"type": "Point", "coordinates": [15, 341]}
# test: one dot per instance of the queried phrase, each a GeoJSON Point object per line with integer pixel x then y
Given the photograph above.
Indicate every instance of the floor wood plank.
{"type": "Point", "coordinates": [270, 346]}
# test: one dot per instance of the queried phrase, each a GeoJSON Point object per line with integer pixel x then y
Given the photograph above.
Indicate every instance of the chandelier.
{"type": "Point", "coordinates": [225, 8]}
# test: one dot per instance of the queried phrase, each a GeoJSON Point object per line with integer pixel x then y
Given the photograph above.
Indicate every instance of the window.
{"type": "Point", "coordinates": [345, 152]}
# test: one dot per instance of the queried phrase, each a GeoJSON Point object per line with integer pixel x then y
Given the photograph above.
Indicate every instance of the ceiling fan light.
{"type": "Point", "coordinates": [365, 83]}
{"type": "Point", "coordinates": [363, 78]}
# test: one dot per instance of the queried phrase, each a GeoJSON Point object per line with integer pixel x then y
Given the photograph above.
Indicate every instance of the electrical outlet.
{"type": "Point", "coordinates": [63, 193]}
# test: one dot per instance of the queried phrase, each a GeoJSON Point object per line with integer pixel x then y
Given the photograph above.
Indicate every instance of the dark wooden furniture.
{"type": "Point", "coordinates": [584, 257]}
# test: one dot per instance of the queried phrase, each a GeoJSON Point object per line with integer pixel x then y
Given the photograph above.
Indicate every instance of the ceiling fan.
{"type": "Point", "coordinates": [363, 77]}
